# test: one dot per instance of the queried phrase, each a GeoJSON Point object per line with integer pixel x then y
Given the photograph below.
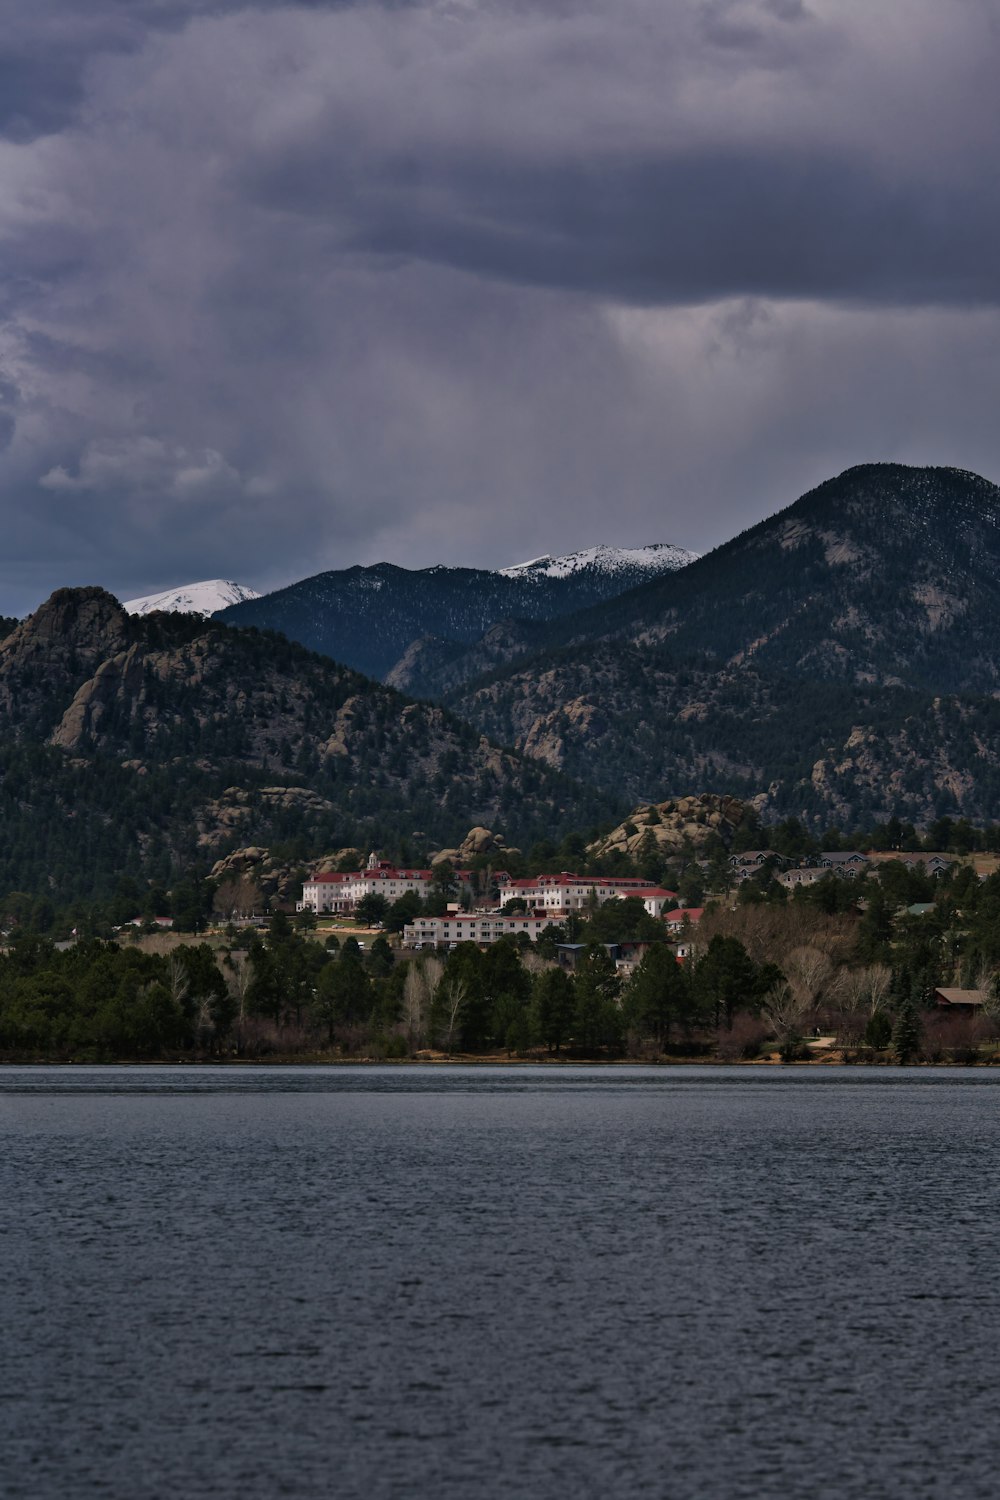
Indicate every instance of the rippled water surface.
{"type": "Point", "coordinates": [507, 1282]}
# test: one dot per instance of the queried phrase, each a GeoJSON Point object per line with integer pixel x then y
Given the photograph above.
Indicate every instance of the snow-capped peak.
{"type": "Point", "coordinates": [192, 598]}
{"type": "Point", "coordinates": [659, 557]}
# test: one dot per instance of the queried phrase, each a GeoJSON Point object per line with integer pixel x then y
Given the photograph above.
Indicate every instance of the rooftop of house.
{"type": "Point", "coordinates": [966, 998]}
{"type": "Point", "coordinates": [910, 856]}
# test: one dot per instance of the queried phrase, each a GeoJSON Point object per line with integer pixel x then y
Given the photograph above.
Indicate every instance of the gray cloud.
{"type": "Point", "coordinates": [287, 287]}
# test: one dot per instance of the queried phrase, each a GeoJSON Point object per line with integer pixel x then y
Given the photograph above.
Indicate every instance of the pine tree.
{"type": "Point", "coordinates": [906, 1031]}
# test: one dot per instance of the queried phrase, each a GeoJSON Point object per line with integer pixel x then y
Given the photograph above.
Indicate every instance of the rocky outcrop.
{"type": "Point", "coordinates": [477, 842]}
{"type": "Point", "coordinates": [85, 623]}
{"type": "Point", "coordinates": [116, 681]}
{"type": "Point", "coordinates": [249, 877]}
{"type": "Point", "coordinates": [222, 818]}
{"type": "Point", "coordinates": [546, 738]}
{"type": "Point", "coordinates": [432, 668]}
{"type": "Point", "coordinates": [67, 638]}
{"type": "Point", "coordinates": [424, 661]}
{"type": "Point", "coordinates": [675, 824]}
{"type": "Point", "coordinates": [255, 868]}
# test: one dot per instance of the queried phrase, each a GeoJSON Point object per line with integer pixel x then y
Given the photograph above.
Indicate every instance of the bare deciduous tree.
{"type": "Point", "coordinates": [785, 1005]}
{"type": "Point", "coordinates": [419, 987]}
{"type": "Point", "coordinates": [808, 970]}
{"type": "Point", "coordinates": [450, 1001]}
{"type": "Point", "coordinates": [860, 993]}
{"type": "Point", "coordinates": [179, 983]}
{"type": "Point", "coordinates": [987, 982]}
{"type": "Point", "coordinates": [237, 896]}
{"type": "Point", "coordinates": [864, 990]}
{"type": "Point", "coordinates": [770, 932]}
{"type": "Point", "coordinates": [239, 977]}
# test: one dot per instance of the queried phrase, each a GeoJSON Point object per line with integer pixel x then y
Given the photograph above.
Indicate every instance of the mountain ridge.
{"type": "Point", "coordinates": [655, 557]}
{"type": "Point", "coordinates": [931, 534]}
{"type": "Point", "coordinates": [837, 659]}
{"type": "Point", "coordinates": [370, 617]}
{"type": "Point", "coordinates": [204, 598]}
{"type": "Point", "coordinates": [136, 744]}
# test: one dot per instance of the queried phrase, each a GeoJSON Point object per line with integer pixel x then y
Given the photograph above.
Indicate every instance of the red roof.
{"type": "Point", "coordinates": [684, 914]}
{"type": "Point", "coordinates": [383, 872]}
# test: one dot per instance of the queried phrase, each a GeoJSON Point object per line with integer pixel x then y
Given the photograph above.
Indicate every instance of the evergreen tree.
{"type": "Point", "coordinates": [371, 909]}
{"type": "Point", "coordinates": [343, 994]}
{"type": "Point", "coordinates": [659, 995]}
{"type": "Point", "coordinates": [906, 1031]}
{"type": "Point", "coordinates": [875, 929]}
{"type": "Point", "coordinates": [726, 979]}
{"type": "Point", "coordinates": [598, 1021]}
{"type": "Point", "coordinates": [554, 1005]}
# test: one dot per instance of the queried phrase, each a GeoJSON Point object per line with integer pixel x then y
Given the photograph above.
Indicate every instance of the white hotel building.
{"type": "Point", "coordinates": [558, 895]}
{"type": "Point", "coordinates": [340, 893]}
{"type": "Point", "coordinates": [470, 927]}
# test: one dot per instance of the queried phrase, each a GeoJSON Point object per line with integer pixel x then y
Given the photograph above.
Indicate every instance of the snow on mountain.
{"type": "Point", "coordinates": [659, 557]}
{"type": "Point", "coordinates": [192, 598]}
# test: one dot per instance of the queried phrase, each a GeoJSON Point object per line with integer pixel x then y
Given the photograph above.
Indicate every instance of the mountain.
{"type": "Point", "coordinates": [372, 617]}
{"type": "Point", "coordinates": [839, 660]}
{"type": "Point", "coordinates": [627, 565]}
{"type": "Point", "coordinates": [640, 723]}
{"type": "Point", "coordinates": [885, 574]}
{"type": "Point", "coordinates": [139, 745]}
{"type": "Point", "coordinates": [192, 598]}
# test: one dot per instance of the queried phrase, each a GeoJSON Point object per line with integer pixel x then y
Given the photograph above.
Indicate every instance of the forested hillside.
{"type": "Point", "coordinates": [886, 574]}
{"type": "Point", "coordinates": [637, 719]}
{"type": "Point", "coordinates": [141, 745]}
{"type": "Point", "coordinates": [838, 661]}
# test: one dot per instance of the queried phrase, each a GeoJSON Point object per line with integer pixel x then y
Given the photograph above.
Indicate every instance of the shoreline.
{"type": "Point", "coordinates": [469, 1060]}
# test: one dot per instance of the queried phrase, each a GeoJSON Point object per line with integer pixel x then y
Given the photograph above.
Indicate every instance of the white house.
{"type": "Point", "coordinates": [470, 927]}
{"type": "Point", "coordinates": [807, 876]}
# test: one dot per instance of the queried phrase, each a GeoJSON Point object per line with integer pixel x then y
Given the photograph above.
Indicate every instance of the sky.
{"type": "Point", "coordinates": [292, 287]}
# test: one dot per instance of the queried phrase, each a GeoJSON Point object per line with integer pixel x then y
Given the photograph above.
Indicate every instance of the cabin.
{"type": "Point", "coordinates": [959, 1002]}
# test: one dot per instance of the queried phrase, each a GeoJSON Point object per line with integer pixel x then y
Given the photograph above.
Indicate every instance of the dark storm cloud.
{"type": "Point", "coordinates": [292, 286]}
{"type": "Point", "coordinates": [706, 224]}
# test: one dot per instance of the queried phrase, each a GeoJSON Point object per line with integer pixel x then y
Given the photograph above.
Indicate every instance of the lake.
{"type": "Point", "coordinates": [480, 1282]}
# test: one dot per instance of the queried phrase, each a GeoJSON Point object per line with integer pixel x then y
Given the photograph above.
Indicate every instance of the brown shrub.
{"type": "Point", "coordinates": [952, 1036]}
{"type": "Point", "coordinates": [744, 1040]}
